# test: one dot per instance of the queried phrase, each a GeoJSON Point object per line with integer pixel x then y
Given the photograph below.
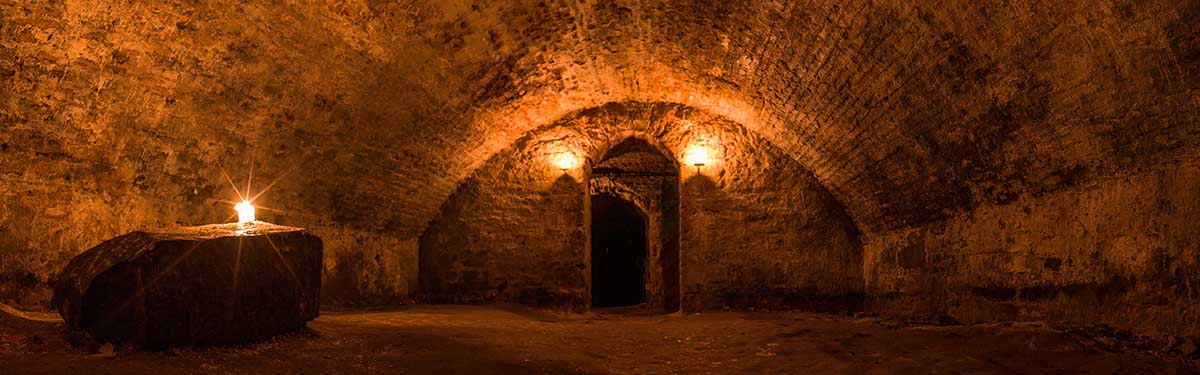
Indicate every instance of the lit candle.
{"type": "Point", "coordinates": [245, 212]}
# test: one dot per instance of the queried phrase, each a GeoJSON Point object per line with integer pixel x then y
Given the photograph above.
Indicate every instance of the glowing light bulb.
{"type": "Point", "coordinates": [696, 155]}
{"type": "Point", "coordinates": [565, 161]}
{"type": "Point", "coordinates": [245, 212]}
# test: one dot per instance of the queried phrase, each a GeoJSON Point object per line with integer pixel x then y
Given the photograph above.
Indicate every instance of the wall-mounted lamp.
{"type": "Point", "coordinates": [696, 156]}
{"type": "Point", "coordinates": [565, 161]}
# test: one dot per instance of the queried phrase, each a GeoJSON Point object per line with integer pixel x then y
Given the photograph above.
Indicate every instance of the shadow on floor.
{"type": "Point", "coordinates": [451, 339]}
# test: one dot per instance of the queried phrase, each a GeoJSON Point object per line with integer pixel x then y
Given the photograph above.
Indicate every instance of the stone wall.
{"type": "Point", "coordinates": [1121, 251]}
{"type": "Point", "coordinates": [116, 116]}
{"type": "Point", "coordinates": [514, 231]}
{"type": "Point", "coordinates": [757, 230]}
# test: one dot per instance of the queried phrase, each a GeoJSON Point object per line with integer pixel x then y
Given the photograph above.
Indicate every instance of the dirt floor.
{"type": "Point", "coordinates": [511, 340]}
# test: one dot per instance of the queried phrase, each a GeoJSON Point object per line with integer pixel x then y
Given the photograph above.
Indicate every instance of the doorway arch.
{"type": "Point", "coordinates": [635, 180]}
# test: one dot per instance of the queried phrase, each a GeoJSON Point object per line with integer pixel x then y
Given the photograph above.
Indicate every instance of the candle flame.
{"type": "Point", "coordinates": [245, 212]}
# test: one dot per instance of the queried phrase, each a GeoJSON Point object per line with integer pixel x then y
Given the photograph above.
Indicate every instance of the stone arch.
{"type": "Point", "coordinates": [667, 126]}
{"type": "Point", "coordinates": [480, 247]}
{"type": "Point", "coordinates": [636, 170]}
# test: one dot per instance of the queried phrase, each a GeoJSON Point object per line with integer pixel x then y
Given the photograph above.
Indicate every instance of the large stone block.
{"type": "Point", "coordinates": [214, 284]}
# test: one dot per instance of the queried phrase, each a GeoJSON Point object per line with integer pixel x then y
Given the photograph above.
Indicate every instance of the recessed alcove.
{"type": "Point", "coordinates": [635, 177]}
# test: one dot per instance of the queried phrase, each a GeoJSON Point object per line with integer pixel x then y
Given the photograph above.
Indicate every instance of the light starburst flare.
{"type": "Point", "coordinates": [245, 208]}
{"type": "Point", "coordinates": [245, 211]}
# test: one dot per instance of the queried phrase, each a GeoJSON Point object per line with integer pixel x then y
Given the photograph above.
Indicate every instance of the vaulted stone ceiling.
{"type": "Point", "coordinates": [907, 111]}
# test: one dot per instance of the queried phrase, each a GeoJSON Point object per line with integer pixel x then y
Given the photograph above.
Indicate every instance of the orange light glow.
{"type": "Point", "coordinates": [565, 161]}
{"type": "Point", "coordinates": [245, 212]}
{"type": "Point", "coordinates": [696, 155]}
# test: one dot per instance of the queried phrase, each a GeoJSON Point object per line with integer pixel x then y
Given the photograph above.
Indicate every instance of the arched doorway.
{"type": "Point", "coordinates": [618, 252]}
{"type": "Point", "coordinates": [634, 215]}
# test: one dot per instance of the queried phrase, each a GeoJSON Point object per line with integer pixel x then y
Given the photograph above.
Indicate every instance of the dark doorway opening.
{"type": "Point", "coordinates": [618, 252]}
{"type": "Point", "coordinates": [643, 179]}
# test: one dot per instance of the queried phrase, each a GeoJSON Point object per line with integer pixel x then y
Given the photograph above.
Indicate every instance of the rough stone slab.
{"type": "Point", "coordinates": [214, 284]}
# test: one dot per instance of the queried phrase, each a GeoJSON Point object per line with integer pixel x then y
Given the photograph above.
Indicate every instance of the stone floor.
{"type": "Point", "coordinates": [511, 340]}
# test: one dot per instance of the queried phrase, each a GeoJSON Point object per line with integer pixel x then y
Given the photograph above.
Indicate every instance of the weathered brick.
{"type": "Point", "coordinates": [914, 116]}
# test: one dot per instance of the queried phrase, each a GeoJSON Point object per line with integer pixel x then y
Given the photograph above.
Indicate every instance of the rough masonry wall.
{"type": "Point", "coordinates": [113, 112]}
{"type": "Point", "coordinates": [757, 229]}
{"type": "Point", "coordinates": [514, 231]}
{"type": "Point", "coordinates": [1122, 251]}
{"type": "Point", "coordinates": [909, 112]}
{"type": "Point", "coordinates": [116, 116]}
